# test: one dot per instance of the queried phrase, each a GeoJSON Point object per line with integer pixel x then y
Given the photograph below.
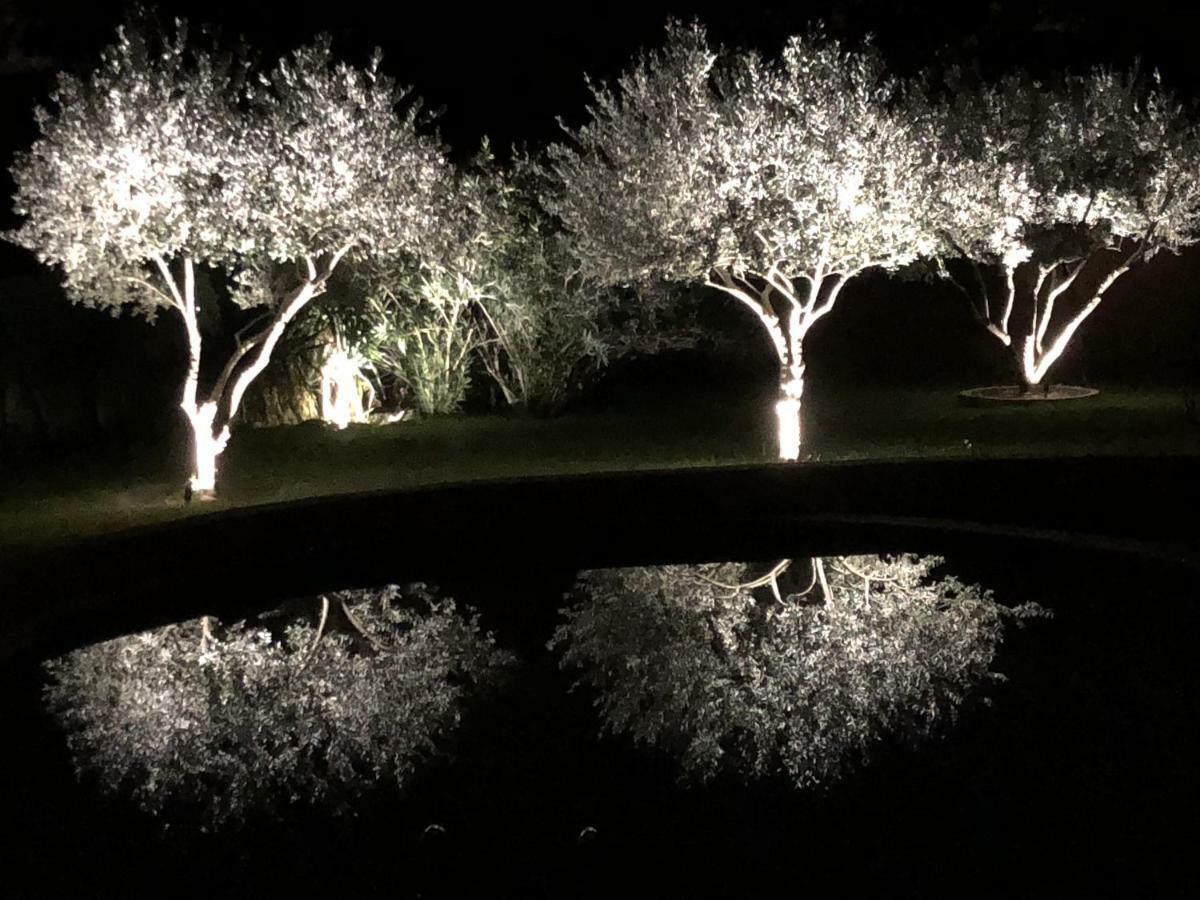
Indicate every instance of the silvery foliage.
{"type": "Point", "coordinates": [167, 150]}
{"type": "Point", "coordinates": [495, 285]}
{"type": "Point", "coordinates": [424, 327]}
{"type": "Point", "coordinates": [423, 343]}
{"type": "Point", "coordinates": [542, 323]}
{"type": "Point", "coordinates": [699, 160]}
{"type": "Point", "coordinates": [123, 173]}
{"type": "Point", "coordinates": [1051, 174]}
{"type": "Point", "coordinates": [254, 717]}
{"type": "Point", "coordinates": [691, 660]}
{"type": "Point", "coordinates": [337, 158]}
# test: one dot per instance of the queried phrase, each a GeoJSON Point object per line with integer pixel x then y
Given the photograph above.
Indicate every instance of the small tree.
{"type": "Point", "coordinates": [291, 171]}
{"type": "Point", "coordinates": [422, 310]}
{"type": "Point", "coordinates": [724, 670]}
{"type": "Point", "coordinates": [775, 182]}
{"type": "Point", "coordinates": [1048, 191]}
{"type": "Point", "coordinates": [232, 720]}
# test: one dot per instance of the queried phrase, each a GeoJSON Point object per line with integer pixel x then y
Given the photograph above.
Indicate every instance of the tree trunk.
{"type": "Point", "coordinates": [200, 416]}
{"type": "Point", "coordinates": [787, 410]}
{"type": "Point", "coordinates": [1030, 370]}
{"type": "Point", "coordinates": [206, 448]}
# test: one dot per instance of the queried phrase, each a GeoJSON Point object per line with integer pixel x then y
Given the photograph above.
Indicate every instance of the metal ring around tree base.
{"type": "Point", "coordinates": [1010, 394]}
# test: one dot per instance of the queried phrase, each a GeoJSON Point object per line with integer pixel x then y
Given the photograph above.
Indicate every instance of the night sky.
{"type": "Point", "coordinates": [507, 70]}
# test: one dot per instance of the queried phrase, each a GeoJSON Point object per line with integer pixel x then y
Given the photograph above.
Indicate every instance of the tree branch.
{"type": "Point", "coordinates": [150, 286]}
{"type": "Point", "coordinates": [780, 282]}
{"type": "Point", "coordinates": [206, 635]}
{"type": "Point", "coordinates": [1042, 273]}
{"type": "Point", "coordinates": [1053, 295]}
{"type": "Point", "coordinates": [778, 569]}
{"type": "Point", "coordinates": [317, 638]}
{"type": "Point", "coordinates": [1009, 301]}
{"type": "Point", "coordinates": [236, 357]}
{"type": "Point", "coordinates": [819, 568]}
{"type": "Point", "coordinates": [354, 623]}
{"type": "Point", "coordinates": [165, 271]}
{"type": "Point", "coordinates": [831, 297]}
{"type": "Point", "coordinates": [187, 309]}
{"type": "Point", "coordinates": [768, 319]}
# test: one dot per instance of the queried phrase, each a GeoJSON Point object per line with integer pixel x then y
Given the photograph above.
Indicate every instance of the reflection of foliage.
{"type": "Point", "coordinates": [250, 716]}
{"type": "Point", "coordinates": [699, 661]}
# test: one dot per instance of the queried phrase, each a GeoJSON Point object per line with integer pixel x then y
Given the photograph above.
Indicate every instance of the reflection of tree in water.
{"type": "Point", "coordinates": [231, 719]}
{"type": "Point", "coordinates": [798, 672]}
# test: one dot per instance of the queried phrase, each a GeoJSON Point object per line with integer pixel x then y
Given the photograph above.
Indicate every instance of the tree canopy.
{"type": "Point", "coordinates": [171, 156]}
{"type": "Point", "coordinates": [1049, 187]}
{"type": "Point", "coordinates": [122, 178]}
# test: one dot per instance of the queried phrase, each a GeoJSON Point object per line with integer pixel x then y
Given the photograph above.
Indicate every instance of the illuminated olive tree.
{"type": "Point", "coordinates": [1050, 194]}
{"type": "Point", "coordinates": [721, 669]}
{"type": "Point", "coordinates": [773, 181]}
{"type": "Point", "coordinates": [226, 721]}
{"type": "Point", "coordinates": [168, 158]}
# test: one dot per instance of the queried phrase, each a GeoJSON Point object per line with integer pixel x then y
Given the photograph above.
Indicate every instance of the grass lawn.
{"type": "Point", "coordinates": [268, 465]}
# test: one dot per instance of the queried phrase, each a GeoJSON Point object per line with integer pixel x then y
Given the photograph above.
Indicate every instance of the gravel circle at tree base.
{"type": "Point", "coordinates": [1016, 394]}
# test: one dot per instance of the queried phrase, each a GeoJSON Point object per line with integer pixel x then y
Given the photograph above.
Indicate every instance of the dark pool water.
{"type": "Point", "coordinates": [1082, 775]}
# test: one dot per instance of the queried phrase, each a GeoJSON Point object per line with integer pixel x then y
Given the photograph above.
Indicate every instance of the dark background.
{"type": "Point", "coordinates": [507, 71]}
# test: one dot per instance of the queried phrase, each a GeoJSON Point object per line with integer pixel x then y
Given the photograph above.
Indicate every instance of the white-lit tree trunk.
{"type": "Point", "coordinates": [768, 295]}
{"type": "Point", "coordinates": [1039, 347]}
{"type": "Point", "coordinates": [206, 444]}
{"type": "Point", "coordinates": [208, 420]}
